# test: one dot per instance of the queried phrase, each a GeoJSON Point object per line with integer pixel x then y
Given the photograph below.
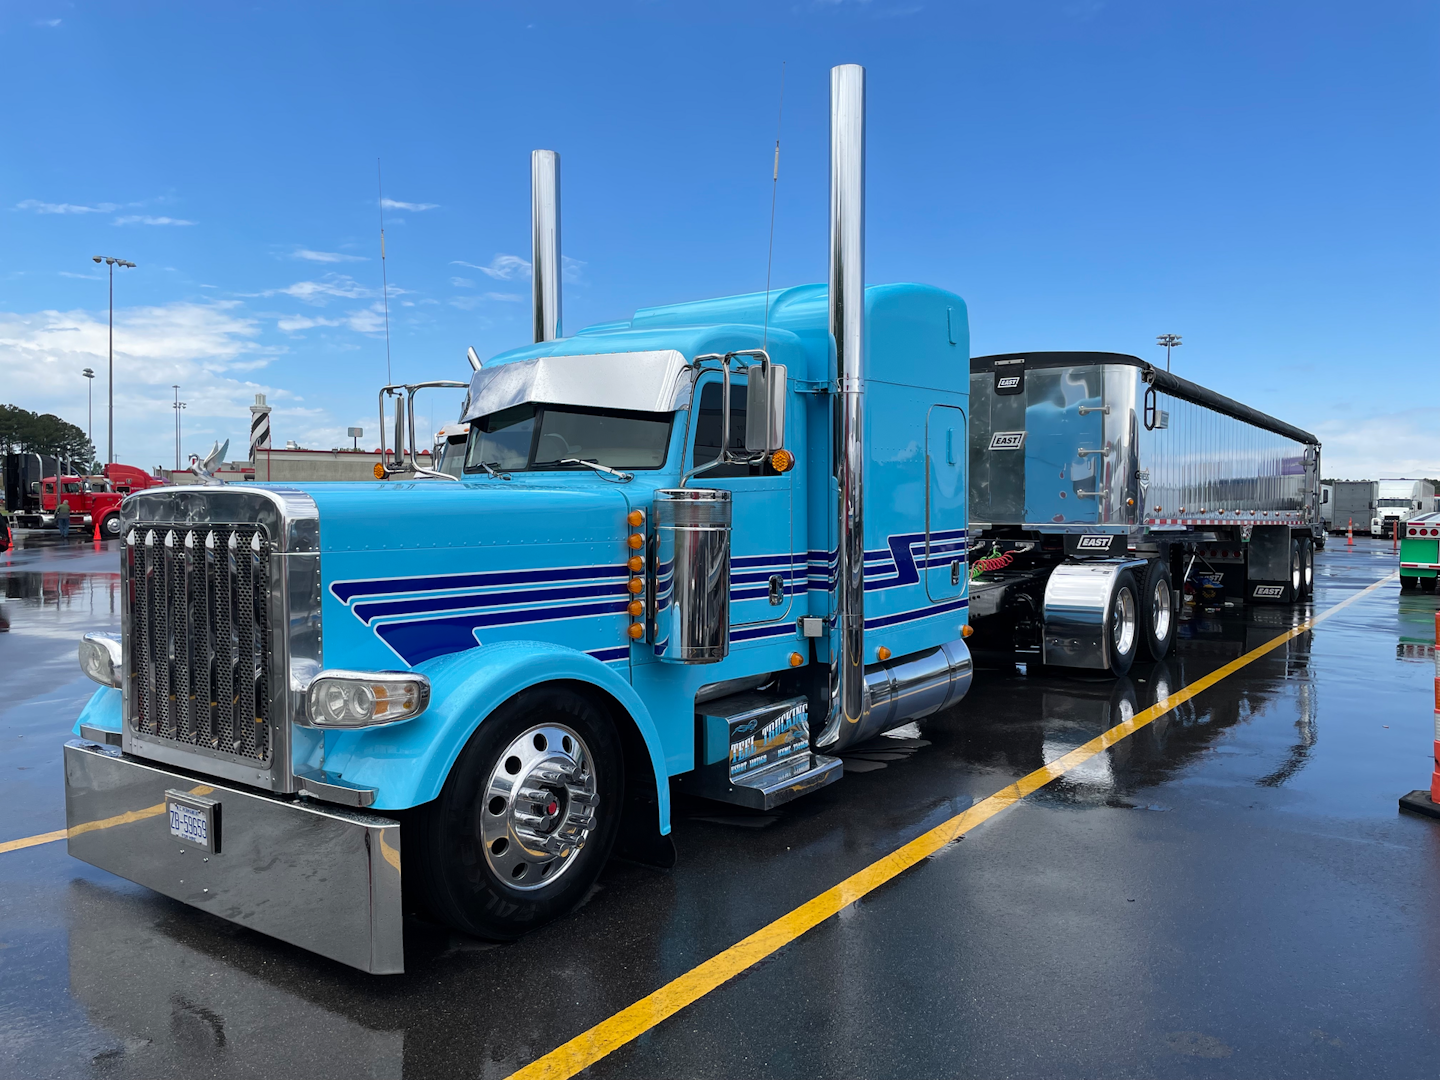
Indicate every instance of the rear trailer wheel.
{"type": "Point", "coordinates": [1122, 623]}
{"type": "Point", "coordinates": [1157, 611]}
{"type": "Point", "coordinates": [1307, 569]}
{"type": "Point", "coordinates": [1297, 572]}
{"type": "Point", "coordinates": [526, 819]}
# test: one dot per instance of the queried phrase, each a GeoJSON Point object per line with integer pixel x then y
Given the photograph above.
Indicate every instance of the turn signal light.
{"type": "Point", "coordinates": [637, 631]}
{"type": "Point", "coordinates": [636, 585]}
{"type": "Point", "coordinates": [882, 653]}
{"type": "Point", "coordinates": [781, 460]}
{"type": "Point", "coordinates": [636, 564]}
{"type": "Point", "coordinates": [966, 630]}
{"type": "Point", "coordinates": [636, 608]}
{"type": "Point", "coordinates": [796, 659]}
{"type": "Point", "coordinates": [635, 518]}
{"type": "Point", "coordinates": [636, 541]}
{"type": "Point", "coordinates": [354, 699]}
{"type": "Point", "coordinates": [379, 471]}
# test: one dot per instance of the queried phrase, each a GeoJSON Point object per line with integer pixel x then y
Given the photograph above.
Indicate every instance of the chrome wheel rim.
{"type": "Point", "coordinates": [1295, 572]}
{"type": "Point", "coordinates": [1160, 610]}
{"type": "Point", "coordinates": [1122, 631]}
{"type": "Point", "coordinates": [539, 807]}
{"type": "Point", "coordinates": [1309, 567]}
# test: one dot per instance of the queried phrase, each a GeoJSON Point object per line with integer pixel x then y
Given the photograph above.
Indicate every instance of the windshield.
{"type": "Point", "coordinates": [1393, 502]}
{"type": "Point", "coordinates": [540, 437]}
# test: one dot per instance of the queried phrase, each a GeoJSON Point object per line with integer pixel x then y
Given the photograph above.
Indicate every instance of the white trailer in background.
{"type": "Point", "coordinates": [1396, 502]}
{"type": "Point", "coordinates": [1352, 504]}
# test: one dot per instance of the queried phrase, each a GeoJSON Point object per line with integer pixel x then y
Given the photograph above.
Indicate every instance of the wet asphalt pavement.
{"type": "Point", "coordinates": [1231, 891]}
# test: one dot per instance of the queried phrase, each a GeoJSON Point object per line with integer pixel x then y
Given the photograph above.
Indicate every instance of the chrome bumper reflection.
{"type": "Point", "coordinates": [322, 878]}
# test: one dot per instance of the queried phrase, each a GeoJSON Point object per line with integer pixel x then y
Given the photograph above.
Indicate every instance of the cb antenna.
{"type": "Point", "coordinates": [384, 281]}
{"type": "Point", "coordinates": [774, 186]}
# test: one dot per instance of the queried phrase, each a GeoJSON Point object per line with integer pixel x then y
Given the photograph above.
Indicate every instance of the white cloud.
{"type": "Point", "coordinates": [462, 283]}
{"type": "Point", "coordinates": [502, 267]}
{"type": "Point", "coordinates": [505, 297]}
{"type": "Point", "coordinates": [47, 22]}
{"type": "Point", "coordinates": [63, 208]}
{"type": "Point", "coordinates": [1403, 443]}
{"type": "Point", "coordinates": [318, 292]}
{"type": "Point", "coordinates": [369, 320]}
{"type": "Point", "coordinates": [291, 323]}
{"type": "Point", "coordinates": [393, 204]}
{"type": "Point", "coordinates": [146, 219]}
{"type": "Point", "coordinates": [325, 256]}
{"type": "Point", "coordinates": [571, 270]}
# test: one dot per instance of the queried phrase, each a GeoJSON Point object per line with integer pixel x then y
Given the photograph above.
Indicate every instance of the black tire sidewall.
{"type": "Point", "coordinates": [105, 528]}
{"type": "Point", "coordinates": [1155, 571]}
{"type": "Point", "coordinates": [457, 884]}
{"type": "Point", "coordinates": [1120, 665]}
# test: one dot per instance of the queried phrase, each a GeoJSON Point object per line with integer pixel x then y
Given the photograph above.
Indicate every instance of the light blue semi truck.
{"type": "Point", "coordinates": [713, 544]}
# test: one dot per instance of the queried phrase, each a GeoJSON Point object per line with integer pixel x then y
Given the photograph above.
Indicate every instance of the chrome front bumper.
{"type": "Point", "coordinates": [320, 877]}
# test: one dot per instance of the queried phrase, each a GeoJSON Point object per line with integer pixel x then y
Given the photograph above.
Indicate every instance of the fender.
{"type": "Point", "coordinates": [407, 763]}
{"type": "Point", "coordinates": [101, 711]}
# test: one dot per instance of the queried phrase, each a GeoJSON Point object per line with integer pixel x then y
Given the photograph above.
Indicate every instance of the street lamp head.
{"type": "Point", "coordinates": [98, 258]}
{"type": "Point", "coordinates": [89, 373]}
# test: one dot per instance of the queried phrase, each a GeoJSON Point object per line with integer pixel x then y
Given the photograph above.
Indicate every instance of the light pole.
{"type": "Point", "coordinates": [1170, 341]}
{"type": "Point", "coordinates": [112, 262]}
{"type": "Point", "coordinates": [89, 374]}
{"type": "Point", "coordinates": [178, 406]}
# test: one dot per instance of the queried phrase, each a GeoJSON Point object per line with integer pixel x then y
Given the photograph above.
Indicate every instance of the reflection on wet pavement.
{"type": "Point", "coordinates": [1229, 891]}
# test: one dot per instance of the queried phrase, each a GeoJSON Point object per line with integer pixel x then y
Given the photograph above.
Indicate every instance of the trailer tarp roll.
{"type": "Point", "coordinates": [1186, 390]}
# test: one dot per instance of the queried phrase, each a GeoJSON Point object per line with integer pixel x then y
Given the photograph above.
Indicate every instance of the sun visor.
{"type": "Point", "coordinates": [655, 381]}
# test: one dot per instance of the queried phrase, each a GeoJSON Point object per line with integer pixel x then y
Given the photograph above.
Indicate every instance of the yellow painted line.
{"type": "Point", "coordinates": [90, 826]}
{"type": "Point", "coordinates": [609, 1035]}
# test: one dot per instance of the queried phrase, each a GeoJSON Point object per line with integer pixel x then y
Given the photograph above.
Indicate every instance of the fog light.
{"type": "Point", "coordinates": [100, 658]}
{"type": "Point", "coordinates": [354, 699]}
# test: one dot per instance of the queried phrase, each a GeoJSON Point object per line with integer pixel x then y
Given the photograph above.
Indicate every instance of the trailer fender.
{"type": "Point", "coordinates": [407, 763]}
{"type": "Point", "coordinates": [1077, 598]}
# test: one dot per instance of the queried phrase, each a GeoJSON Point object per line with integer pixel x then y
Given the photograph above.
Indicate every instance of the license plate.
{"type": "Point", "coordinates": [194, 820]}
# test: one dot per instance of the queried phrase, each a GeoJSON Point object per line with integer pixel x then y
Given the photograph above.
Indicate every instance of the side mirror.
{"type": "Point", "coordinates": [765, 407]}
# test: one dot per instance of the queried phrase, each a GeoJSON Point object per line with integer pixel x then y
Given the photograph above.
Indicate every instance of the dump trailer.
{"type": "Point", "coordinates": [1102, 487]}
{"type": "Point", "coordinates": [713, 544]}
{"type": "Point", "coordinates": [1420, 552]}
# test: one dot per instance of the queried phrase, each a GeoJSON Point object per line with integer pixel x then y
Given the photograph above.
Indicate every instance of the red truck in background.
{"type": "Point", "coordinates": [94, 500]}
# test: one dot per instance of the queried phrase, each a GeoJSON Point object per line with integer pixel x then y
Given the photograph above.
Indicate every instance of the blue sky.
{"type": "Point", "coordinates": [1259, 177]}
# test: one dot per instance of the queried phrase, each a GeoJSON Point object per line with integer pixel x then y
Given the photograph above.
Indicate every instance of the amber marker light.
{"type": "Point", "coordinates": [637, 631]}
{"type": "Point", "coordinates": [966, 630]}
{"type": "Point", "coordinates": [636, 608]}
{"type": "Point", "coordinates": [636, 564]}
{"type": "Point", "coordinates": [796, 659]}
{"type": "Point", "coordinates": [636, 585]}
{"type": "Point", "coordinates": [882, 653]}
{"type": "Point", "coordinates": [635, 518]}
{"type": "Point", "coordinates": [379, 471]}
{"type": "Point", "coordinates": [636, 541]}
{"type": "Point", "coordinates": [781, 460]}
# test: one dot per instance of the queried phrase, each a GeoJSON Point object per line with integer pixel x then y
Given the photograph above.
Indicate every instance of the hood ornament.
{"type": "Point", "coordinates": [206, 469]}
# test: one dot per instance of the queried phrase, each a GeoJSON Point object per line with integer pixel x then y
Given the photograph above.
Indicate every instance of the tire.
{"type": "Point", "coordinates": [1307, 570]}
{"type": "Point", "coordinates": [1409, 584]}
{"type": "Point", "coordinates": [1297, 572]}
{"type": "Point", "coordinates": [1157, 611]}
{"type": "Point", "coordinates": [497, 866]}
{"type": "Point", "coordinates": [1427, 584]}
{"type": "Point", "coordinates": [110, 527]}
{"type": "Point", "coordinates": [1122, 623]}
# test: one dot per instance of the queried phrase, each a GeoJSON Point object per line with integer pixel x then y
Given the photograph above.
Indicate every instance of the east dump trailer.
{"type": "Point", "coordinates": [1101, 487]}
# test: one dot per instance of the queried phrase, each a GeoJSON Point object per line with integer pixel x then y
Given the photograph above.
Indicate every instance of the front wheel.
{"type": "Point", "coordinates": [110, 527]}
{"type": "Point", "coordinates": [1157, 611]}
{"type": "Point", "coordinates": [1122, 623]}
{"type": "Point", "coordinates": [525, 821]}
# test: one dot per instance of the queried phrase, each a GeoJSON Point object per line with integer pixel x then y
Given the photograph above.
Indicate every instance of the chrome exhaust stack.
{"type": "Point", "coordinates": [847, 325]}
{"type": "Point", "coordinates": [545, 242]}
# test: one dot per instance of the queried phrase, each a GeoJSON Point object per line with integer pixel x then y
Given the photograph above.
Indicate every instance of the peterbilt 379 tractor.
{"type": "Point", "coordinates": [713, 544]}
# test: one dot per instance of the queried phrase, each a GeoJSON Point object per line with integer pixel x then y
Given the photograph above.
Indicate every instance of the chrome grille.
{"type": "Point", "coordinates": [198, 636]}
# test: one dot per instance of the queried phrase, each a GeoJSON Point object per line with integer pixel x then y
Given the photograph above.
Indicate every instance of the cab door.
{"type": "Point", "coordinates": [765, 572]}
{"type": "Point", "coordinates": [945, 488]}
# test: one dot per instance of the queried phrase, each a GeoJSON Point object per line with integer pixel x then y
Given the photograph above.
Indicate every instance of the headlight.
{"type": "Point", "coordinates": [100, 658]}
{"type": "Point", "coordinates": [355, 699]}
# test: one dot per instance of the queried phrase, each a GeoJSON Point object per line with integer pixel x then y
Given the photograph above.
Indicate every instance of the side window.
{"type": "Point", "coordinates": [708, 420]}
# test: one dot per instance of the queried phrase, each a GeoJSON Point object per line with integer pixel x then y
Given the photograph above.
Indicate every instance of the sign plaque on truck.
{"type": "Point", "coordinates": [685, 548]}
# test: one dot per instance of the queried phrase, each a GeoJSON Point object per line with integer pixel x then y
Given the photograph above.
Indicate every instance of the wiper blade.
{"type": "Point", "coordinates": [623, 477]}
{"type": "Point", "coordinates": [490, 471]}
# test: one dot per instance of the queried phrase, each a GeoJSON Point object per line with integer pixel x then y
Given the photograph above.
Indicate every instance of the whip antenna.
{"type": "Point", "coordinates": [384, 281]}
{"type": "Point", "coordinates": [774, 186]}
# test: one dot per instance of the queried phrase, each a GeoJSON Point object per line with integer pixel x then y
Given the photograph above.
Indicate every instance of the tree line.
{"type": "Point", "coordinates": [22, 431]}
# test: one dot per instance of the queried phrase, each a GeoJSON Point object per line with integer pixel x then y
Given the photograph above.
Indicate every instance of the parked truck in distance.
{"type": "Point", "coordinates": [1420, 552]}
{"type": "Point", "coordinates": [1396, 502]}
{"type": "Point", "coordinates": [1352, 506]}
{"type": "Point", "coordinates": [1101, 487]}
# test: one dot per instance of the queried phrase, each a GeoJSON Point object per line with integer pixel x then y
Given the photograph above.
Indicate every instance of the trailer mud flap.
{"type": "Point", "coordinates": [317, 876]}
